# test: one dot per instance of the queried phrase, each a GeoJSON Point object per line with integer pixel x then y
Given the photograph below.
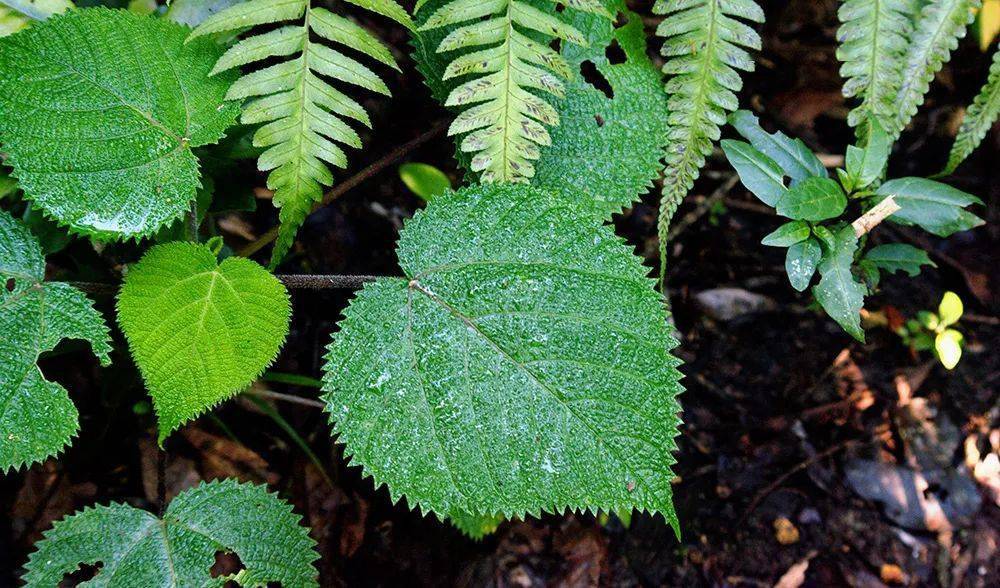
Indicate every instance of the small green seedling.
{"type": "Point", "coordinates": [931, 331]}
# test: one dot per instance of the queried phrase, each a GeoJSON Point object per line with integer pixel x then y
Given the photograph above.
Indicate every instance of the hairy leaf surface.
{"type": "Point", "coordinates": [136, 548]}
{"type": "Point", "coordinates": [100, 139]}
{"type": "Point", "coordinates": [37, 418]}
{"type": "Point", "coordinates": [606, 150]}
{"type": "Point", "coordinates": [979, 118]}
{"type": "Point", "coordinates": [521, 365]}
{"type": "Point", "coordinates": [303, 117]}
{"type": "Point", "coordinates": [199, 331]}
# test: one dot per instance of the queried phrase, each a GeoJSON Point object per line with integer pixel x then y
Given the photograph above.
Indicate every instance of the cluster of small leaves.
{"type": "Point", "coordinates": [37, 417]}
{"type": "Point", "coordinates": [933, 331]}
{"type": "Point", "coordinates": [816, 235]}
{"type": "Point", "coordinates": [521, 365]}
{"type": "Point", "coordinates": [106, 148]}
{"type": "Point", "coordinates": [200, 331]}
{"type": "Point", "coordinates": [607, 148]}
{"type": "Point", "coordinates": [302, 116]}
{"type": "Point", "coordinates": [504, 46]}
{"type": "Point", "coordinates": [706, 47]}
{"type": "Point", "coordinates": [133, 547]}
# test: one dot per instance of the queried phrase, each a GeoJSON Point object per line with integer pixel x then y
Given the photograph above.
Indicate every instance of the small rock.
{"type": "Point", "coordinates": [725, 304]}
{"type": "Point", "coordinates": [892, 574]}
{"type": "Point", "coordinates": [785, 531]}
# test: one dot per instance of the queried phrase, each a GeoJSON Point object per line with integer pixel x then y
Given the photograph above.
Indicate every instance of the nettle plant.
{"type": "Point", "coordinates": [522, 362]}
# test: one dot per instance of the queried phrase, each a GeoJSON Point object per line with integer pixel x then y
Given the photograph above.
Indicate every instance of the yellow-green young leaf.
{"type": "Point", "coordinates": [841, 296]}
{"type": "Point", "coordinates": [426, 181]}
{"type": "Point", "coordinates": [18, 14]}
{"type": "Point", "coordinates": [303, 117]}
{"type": "Point", "coordinates": [101, 139]}
{"type": "Point", "coordinates": [200, 331]}
{"type": "Point", "coordinates": [521, 365]}
{"type": "Point", "coordinates": [37, 418]}
{"type": "Point", "coordinates": [950, 309]}
{"type": "Point", "coordinates": [606, 150]}
{"type": "Point", "coordinates": [948, 347]}
{"type": "Point", "coordinates": [135, 548]}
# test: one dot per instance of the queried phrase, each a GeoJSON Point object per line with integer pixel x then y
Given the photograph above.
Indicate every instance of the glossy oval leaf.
{"type": "Point", "coordinates": [813, 199]}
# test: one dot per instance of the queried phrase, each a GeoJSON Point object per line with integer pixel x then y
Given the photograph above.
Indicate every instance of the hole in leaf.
{"type": "Point", "coordinates": [596, 79]}
{"type": "Point", "coordinates": [10, 285]}
{"type": "Point", "coordinates": [82, 574]}
{"type": "Point", "coordinates": [560, 7]}
{"type": "Point", "coordinates": [556, 45]}
{"type": "Point", "coordinates": [599, 120]}
{"type": "Point", "coordinates": [615, 53]}
{"type": "Point", "coordinates": [227, 564]}
{"type": "Point", "coordinates": [621, 19]}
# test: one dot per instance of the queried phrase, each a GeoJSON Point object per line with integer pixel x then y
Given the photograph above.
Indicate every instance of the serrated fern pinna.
{"type": "Point", "coordinates": [301, 113]}
{"type": "Point", "coordinates": [706, 47]}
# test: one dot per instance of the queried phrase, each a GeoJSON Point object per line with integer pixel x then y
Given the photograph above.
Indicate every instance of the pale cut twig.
{"type": "Point", "coordinates": [875, 216]}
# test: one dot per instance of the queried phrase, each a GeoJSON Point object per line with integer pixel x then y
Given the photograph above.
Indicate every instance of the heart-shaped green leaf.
{"type": "Point", "coordinates": [199, 331]}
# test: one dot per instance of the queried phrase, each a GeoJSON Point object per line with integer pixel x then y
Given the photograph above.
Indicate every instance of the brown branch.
{"type": "Point", "coordinates": [351, 182]}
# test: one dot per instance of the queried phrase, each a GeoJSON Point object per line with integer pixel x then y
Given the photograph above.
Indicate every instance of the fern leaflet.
{"type": "Point", "coordinates": [873, 39]}
{"type": "Point", "coordinates": [506, 119]}
{"type": "Point", "coordinates": [940, 25]}
{"type": "Point", "coordinates": [978, 119]}
{"type": "Point", "coordinates": [706, 47]}
{"type": "Point", "coordinates": [302, 115]}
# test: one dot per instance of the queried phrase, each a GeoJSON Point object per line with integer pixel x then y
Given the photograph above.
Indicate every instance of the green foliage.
{"type": "Point", "coordinates": [105, 146]}
{"type": "Point", "coordinates": [706, 47]}
{"type": "Point", "coordinates": [812, 199]}
{"type": "Point", "coordinates": [938, 29]}
{"type": "Point", "coordinates": [606, 149]}
{"type": "Point", "coordinates": [475, 527]}
{"type": "Point", "coordinates": [199, 331]}
{"type": "Point", "coordinates": [302, 116]}
{"type": "Point", "coordinates": [136, 548]}
{"type": "Point", "coordinates": [18, 14]}
{"type": "Point", "coordinates": [37, 418]}
{"type": "Point", "coordinates": [873, 38]}
{"type": "Point", "coordinates": [521, 365]}
{"type": "Point", "coordinates": [426, 181]}
{"type": "Point", "coordinates": [504, 45]}
{"type": "Point", "coordinates": [978, 119]}
{"type": "Point", "coordinates": [932, 331]}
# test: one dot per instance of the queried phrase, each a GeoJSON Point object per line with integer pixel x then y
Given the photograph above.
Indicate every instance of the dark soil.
{"type": "Point", "coordinates": [780, 405]}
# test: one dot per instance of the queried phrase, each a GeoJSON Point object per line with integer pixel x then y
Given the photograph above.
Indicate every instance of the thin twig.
{"type": "Point", "coordinates": [293, 281]}
{"type": "Point", "coordinates": [874, 217]}
{"type": "Point", "coordinates": [348, 184]}
{"type": "Point", "coordinates": [291, 398]}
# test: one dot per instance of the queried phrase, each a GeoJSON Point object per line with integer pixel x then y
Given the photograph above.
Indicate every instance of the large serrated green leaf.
{"type": "Point", "coordinates": [522, 365]}
{"type": "Point", "coordinates": [37, 417]}
{"type": "Point", "coordinates": [199, 331]}
{"type": "Point", "coordinates": [606, 151]}
{"type": "Point", "coordinates": [100, 139]}
{"type": "Point", "coordinates": [137, 549]}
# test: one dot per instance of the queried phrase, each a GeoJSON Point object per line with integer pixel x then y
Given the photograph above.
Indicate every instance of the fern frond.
{"type": "Point", "coordinates": [506, 114]}
{"type": "Point", "coordinates": [938, 29]}
{"type": "Point", "coordinates": [302, 116]}
{"type": "Point", "coordinates": [706, 48]}
{"type": "Point", "coordinates": [978, 119]}
{"type": "Point", "coordinates": [873, 39]}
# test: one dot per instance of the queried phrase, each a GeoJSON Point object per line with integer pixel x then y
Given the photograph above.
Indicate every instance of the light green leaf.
{"type": "Point", "coordinates": [135, 548]}
{"type": "Point", "coordinates": [37, 418]}
{"type": "Point", "coordinates": [788, 234]}
{"type": "Point", "coordinates": [948, 347]}
{"type": "Point", "coordinates": [866, 164]}
{"type": "Point", "coordinates": [838, 292]}
{"type": "Point", "coordinates": [475, 526]}
{"type": "Point", "coordinates": [895, 257]}
{"type": "Point", "coordinates": [758, 172]}
{"type": "Point", "coordinates": [18, 14]}
{"type": "Point", "coordinates": [950, 309]}
{"type": "Point", "coordinates": [825, 236]}
{"type": "Point", "coordinates": [426, 181]}
{"type": "Point", "coordinates": [801, 262]}
{"type": "Point", "coordinates": [792, 155]}
{"type": "Point", "coordinates": [813, 199]}
{"type": "Point", "coordinates": [522, 364]}
{"type": "Point", "coordinates": [199, 331]}
{"type": "Point", "coordinates": [302, 117]}
{"type": "Point", "coordinates": [979, 118]}
{"type": "Point", "coordinates": [606, 151]}
{"type": "Point", "coordinates": [937, 208]}
{"type": "Point", "coordinates": [101, 139]}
